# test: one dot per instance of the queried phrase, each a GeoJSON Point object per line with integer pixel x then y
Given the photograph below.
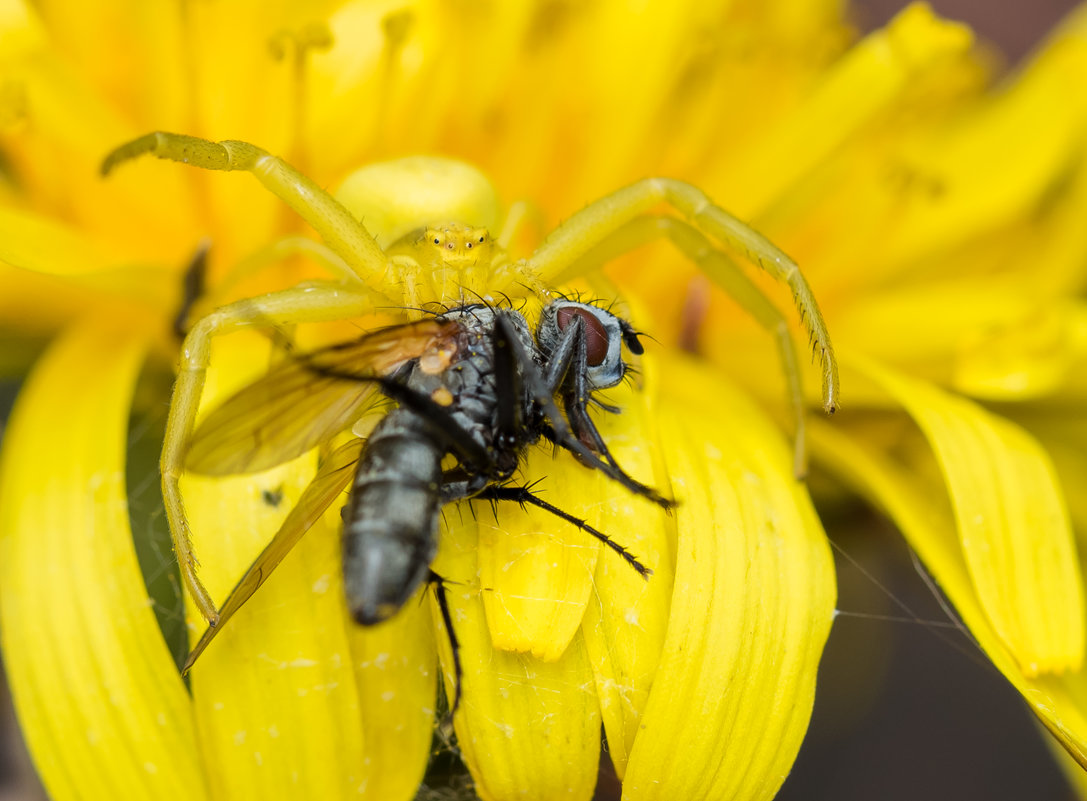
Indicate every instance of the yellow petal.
{"type": "Point", "coordinates": [920, 507]}
{"type": "Point", "coordinates": [102, 706]}
{"type": "Point", "coordinates": [396, 668]}
{"type": "Point", "coordinates": [41, 244]}
{"type": "Point", "coordinates": [145, 71]}
{"type": "Point", "coordinates": [751, 608]}
{"type": "Point", "coordinates": [1063, 433]}
{"type": "Point", "coordinates": [1032, 159]}
{"type": "Point", "coordinates": [1011, 518]}
{"type": "Point", "coordinates": [1037, 354]}
{"type": "Point", "coordinates": [997, 341]}
{"type": "Point", "coordinates": [537, 570]}
{"type": "Point", "coordinates": [527, 729]}
{"type": "Point", "coordinates": [626, 619]}
{"type": "Point", "coordinates": [274, 695]}
{"type": "Point", "coordinates": [56, 126]}
{"type": "Point", "coordinates": [873, 75]}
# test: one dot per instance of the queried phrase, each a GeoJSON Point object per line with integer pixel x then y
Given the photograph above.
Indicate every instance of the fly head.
{"type": "Point", "coordinates": [605, 334]}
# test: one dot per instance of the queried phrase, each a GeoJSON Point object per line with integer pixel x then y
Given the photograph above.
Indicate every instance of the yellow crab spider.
{"type": "Point", "coordinates": [604, 229]}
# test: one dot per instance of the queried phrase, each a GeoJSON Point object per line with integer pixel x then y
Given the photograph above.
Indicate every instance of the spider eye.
{"type": "Point", "coordinates": [437, 241]}
{"type": "Point", "coordinates": [481, 240]}
{"type": "Point", "coordinates": [469, 246]}
{"type": "Point", "coordinates": [596, 338]}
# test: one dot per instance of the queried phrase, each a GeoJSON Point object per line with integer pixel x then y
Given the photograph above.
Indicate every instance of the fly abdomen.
{"type": "Point", "coordinates": [390, 528]}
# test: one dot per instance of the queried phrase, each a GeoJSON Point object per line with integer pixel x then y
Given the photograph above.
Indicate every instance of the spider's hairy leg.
{"type": "Point", "coordinates": [593, 224]}
{"type": "Point", "coordinates": [712, 261]}
{"type": "Point", "coordinates": [334, 475]}
{"type": "Point", "coordinates": [273, 254]}
{"type": "Point", "coordinates": [336, 225]}
{"type": "Point", "coordinates": [308, 303]}
{"type": "Point", "coordinates": [269, 256]}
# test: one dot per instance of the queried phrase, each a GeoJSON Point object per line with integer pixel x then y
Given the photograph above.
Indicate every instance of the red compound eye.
{"type": "Point", "coordinates": [596, 338]}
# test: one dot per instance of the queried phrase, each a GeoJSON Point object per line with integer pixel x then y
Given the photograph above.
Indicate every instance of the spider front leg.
{"type": "Point", "coordinates": [307, 303]}
{"type": "Point", "coordinates": [591, 226]}
{"type": "Point", "coordinates": [697, 247]}
{"type": "Point", "coordinates": [345, 235]}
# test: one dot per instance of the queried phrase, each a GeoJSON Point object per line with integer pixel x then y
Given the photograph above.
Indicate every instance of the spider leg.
{"type": "Point", "coordinates": [330, 481]}
{"type": "Point", "coordinates": [712, 261]}
{"type": "Point", "coordinates": [274, 253]}
{"type": "Point", "coordinates": [310, 303]}
{"type": "Point", "coordinates": [345, 235]}
{"type": "Point", "coordinates": [198, 299]}
{"type": "Point", "coordinates": [524, 495]}
{"type": "Point", "coordinates": [565, 246]}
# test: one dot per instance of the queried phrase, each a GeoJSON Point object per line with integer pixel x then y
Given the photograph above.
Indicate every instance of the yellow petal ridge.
{"type": "Point", "coordinates": [751, 609]}
{"type": "Point", "coordinates": [864, 82]}
{"type": "Point", "coordinates": [923, 513]}
{"type": "Point", "coordinates": [527, 728]}
{"type": "Point", "coordinates": [627, 616]}
{"type": "Point", "coordinates": [1011, 518]}
{"type": "Point", "coordinates": [101, 703]}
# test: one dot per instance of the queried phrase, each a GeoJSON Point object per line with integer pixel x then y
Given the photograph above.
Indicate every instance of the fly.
{"type": "Point", "coordinates": [473, 382]}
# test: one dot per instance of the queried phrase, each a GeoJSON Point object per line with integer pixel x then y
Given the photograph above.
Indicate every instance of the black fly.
{"type": "Point", "coordinates": [473, 382]}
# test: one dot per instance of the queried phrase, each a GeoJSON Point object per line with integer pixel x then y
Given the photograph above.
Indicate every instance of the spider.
{"type": "Point", "coordinates": [470, 257]}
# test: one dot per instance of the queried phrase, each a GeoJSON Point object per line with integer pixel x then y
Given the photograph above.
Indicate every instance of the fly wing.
{"type": "Point", "coordinates": [308, 399]}
{"type": "Point", "coordinates": [330, 481]}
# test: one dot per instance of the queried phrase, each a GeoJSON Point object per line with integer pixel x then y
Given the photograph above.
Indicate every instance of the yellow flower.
{"type": "Point", "coordinates": [872, 162]}
{"type": "Point", "coordinates": [292, 699]}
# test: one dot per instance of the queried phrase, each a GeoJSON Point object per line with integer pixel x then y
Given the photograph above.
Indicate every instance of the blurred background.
{"type": "Point", "coordinates": [904, 710]}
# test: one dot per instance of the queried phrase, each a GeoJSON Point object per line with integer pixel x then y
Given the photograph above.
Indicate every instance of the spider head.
{"type": "Point", "coordinates": [456, 244]}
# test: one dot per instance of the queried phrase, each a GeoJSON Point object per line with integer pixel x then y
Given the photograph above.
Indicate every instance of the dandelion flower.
{"type": "Point", "coordinates": [865, 159]}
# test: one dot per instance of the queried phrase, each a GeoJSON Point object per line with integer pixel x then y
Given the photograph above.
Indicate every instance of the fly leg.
{"type": "Point", "coordinates": [566, 374]}
{"type": "Point", "coordinates": [438, 583]}
{"type": "Point", "coordinates": [525, 497]}
{"type": "Point", "coordinates": [541, 391]}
